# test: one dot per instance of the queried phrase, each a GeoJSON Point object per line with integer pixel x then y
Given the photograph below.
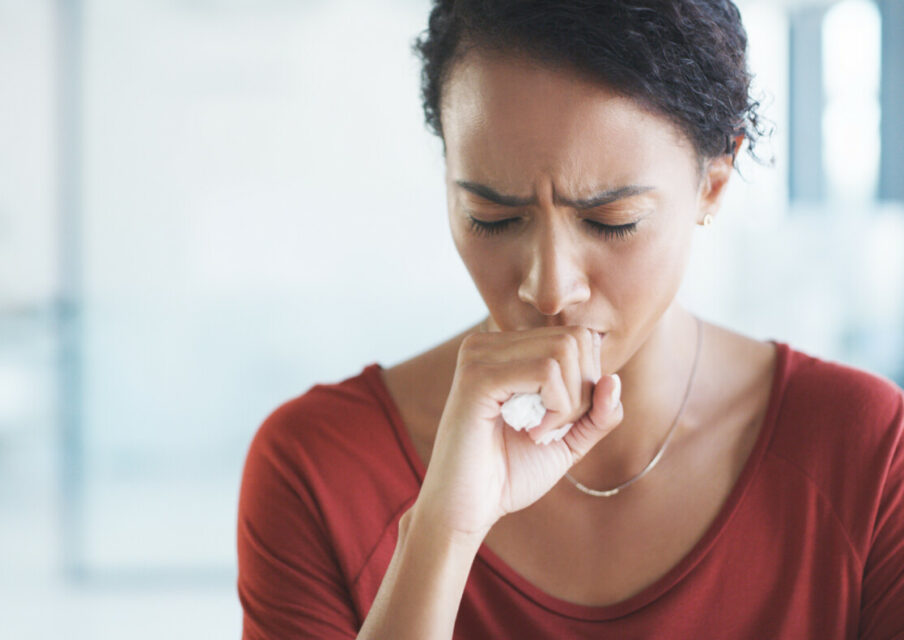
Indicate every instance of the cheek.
{"type": "Point", "coordinates": [489, 263]}
{"type": "Point", "coordinates": [494, 270]}
{"type": "Point", "coordinates": [644, 277]}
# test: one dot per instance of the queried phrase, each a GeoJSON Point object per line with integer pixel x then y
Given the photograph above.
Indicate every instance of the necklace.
{"type": "Point", "coordinates": [605, 493]}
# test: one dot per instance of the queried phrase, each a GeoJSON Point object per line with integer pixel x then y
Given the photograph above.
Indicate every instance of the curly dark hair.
{"type": "Point", "coordinates": [684, 59]}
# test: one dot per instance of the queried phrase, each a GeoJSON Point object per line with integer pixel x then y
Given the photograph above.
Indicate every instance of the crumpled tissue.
{"type": "Point", "coordinates": [526, 411]}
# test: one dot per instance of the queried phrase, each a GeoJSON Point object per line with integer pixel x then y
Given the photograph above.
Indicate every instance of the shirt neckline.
{"type": "Point", "coordinates": [371, 374]}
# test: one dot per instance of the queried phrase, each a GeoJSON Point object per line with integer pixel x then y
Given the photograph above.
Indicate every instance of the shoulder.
{"type": "Point", "coordinates": [330, 460]}
{"type": "Point", "coordinates": [831, 395]}
{"type": "Point", "coordinates": [327, 416]}
{"type": "Point", "coordinates": [336, 443]}
{"type": "Point", "coordinates": [322, 481]}
{"type": "Point", "coordinates": [839, 429]}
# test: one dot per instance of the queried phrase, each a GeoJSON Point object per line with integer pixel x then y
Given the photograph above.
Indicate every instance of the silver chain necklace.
{"type": "Point", "coordinates": [605, 493]}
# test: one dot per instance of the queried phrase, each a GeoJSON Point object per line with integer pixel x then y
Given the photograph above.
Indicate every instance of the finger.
{"type": "Point", "coordinates": [597, 356]}
{"type": "Point", "coordinates": [567, 350]}
{"type": "Point", "coordinates": [605, 414]}
{"type": "Point", "coordinates": [555, 435]}
{"type": "Point", "coordinates": [537, 375]}
{"type": "Point", "coordinates": [575, 347]}
{"type": "Point", "coordinates": [502, 346]}
{"type": "Point", "coordinates": [575, 350]}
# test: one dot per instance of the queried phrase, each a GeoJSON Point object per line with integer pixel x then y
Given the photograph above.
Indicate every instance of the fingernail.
{"type": "Point", "coordinates": [615, 394]}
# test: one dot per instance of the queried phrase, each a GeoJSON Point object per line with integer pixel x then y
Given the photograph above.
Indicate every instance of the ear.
{"type": "Point", "coordinates": [716, 173]}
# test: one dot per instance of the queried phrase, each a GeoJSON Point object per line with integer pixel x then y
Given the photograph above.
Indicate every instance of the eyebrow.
{"type": "Point", "coordinates": [597, 200]}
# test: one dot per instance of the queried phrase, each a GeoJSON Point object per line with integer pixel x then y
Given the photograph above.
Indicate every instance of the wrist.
{"type": "Point", "coordinates": [419, 524]}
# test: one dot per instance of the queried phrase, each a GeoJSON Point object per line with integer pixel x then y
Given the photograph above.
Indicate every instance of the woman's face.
{"type": "Point", "coordinates": [597, 199]}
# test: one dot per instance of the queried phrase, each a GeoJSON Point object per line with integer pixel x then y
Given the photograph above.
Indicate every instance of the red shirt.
{"type": "Point", "coordinates": [808, 544]}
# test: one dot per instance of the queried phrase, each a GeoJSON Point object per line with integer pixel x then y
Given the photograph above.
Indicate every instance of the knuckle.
{"type": "Point", "coordinates": [566, 344]}
{"type": "Point", "coordinates": [551, 368]}
{"type": "Point", "coordinates": [580, 334]}
{"type": "Point", "coordinates": [470, 341]}
{"type": "Point", "coordinates": [470, 348]}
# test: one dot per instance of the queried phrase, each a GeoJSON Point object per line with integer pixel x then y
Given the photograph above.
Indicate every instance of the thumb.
{"type": "Point", "coordinates": [606, 412]}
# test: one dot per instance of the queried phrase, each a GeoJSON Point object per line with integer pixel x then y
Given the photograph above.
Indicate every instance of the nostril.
{"type": "Point", "coordinates": [553, 303]}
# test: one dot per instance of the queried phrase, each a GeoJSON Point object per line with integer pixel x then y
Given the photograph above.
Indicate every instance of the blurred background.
{"type": "Point", "coordinates": [206, 206]}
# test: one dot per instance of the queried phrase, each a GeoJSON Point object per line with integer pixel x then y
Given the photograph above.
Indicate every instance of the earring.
{"type": "Point", "coordinates": [707, 220]}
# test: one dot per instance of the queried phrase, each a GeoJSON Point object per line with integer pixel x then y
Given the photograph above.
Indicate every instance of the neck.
{"type": "Point", "coordinates": [654, 382]}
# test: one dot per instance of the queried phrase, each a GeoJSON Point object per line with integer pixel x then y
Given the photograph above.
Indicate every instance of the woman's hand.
{"type": "Point", "coordinates": [482, 469]}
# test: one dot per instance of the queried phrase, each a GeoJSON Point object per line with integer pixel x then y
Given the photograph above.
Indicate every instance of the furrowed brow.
{"type": "Point", "coordinates": [604, 197]}
{"type": "Point", "coordinates": [488, 193]}
{"type": "Point", "coordinates": [597, 200]}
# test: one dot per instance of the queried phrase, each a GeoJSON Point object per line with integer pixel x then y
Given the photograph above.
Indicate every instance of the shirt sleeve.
{"type": "Point", "coordinates": [289, 581]}
{"type": "Point", "coordinates": [882, 600]}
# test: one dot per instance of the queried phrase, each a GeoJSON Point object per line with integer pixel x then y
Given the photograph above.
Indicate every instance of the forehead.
{"type": "Point", "coordinates": [507, 117]}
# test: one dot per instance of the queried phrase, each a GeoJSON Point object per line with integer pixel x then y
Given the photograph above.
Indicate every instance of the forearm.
{"type": "Point", "coordinates": [422, 589]}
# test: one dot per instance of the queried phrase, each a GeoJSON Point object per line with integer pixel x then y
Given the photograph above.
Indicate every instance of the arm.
{"type": "Point", "coordinates": [422, 589]}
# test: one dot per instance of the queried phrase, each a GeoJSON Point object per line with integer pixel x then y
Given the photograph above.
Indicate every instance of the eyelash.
{"type": "Point", "coordinates": [610, 231]}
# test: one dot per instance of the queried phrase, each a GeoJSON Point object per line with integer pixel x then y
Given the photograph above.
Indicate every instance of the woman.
{"type": "Point", "coordinates": [710, 485]}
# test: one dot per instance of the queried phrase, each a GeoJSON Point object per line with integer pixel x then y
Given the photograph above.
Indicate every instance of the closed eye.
{"type": "Point", "coordinates": [612, 230]}
{"type": "Point", "coordinates": [609, 231]}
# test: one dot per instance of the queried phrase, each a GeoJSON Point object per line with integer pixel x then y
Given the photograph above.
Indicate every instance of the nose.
{"type": "Point", "coordinates": [554, 278]}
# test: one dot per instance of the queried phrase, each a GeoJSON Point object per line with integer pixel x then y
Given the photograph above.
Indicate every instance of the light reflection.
{"type": "Point", "coordinates": [851, 57]}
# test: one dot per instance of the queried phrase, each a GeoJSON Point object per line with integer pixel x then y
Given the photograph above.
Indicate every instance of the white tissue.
{"type": "Point", "coordinates": [523, 411]}
{"type": "Point", "coordinates": [526, 411]}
